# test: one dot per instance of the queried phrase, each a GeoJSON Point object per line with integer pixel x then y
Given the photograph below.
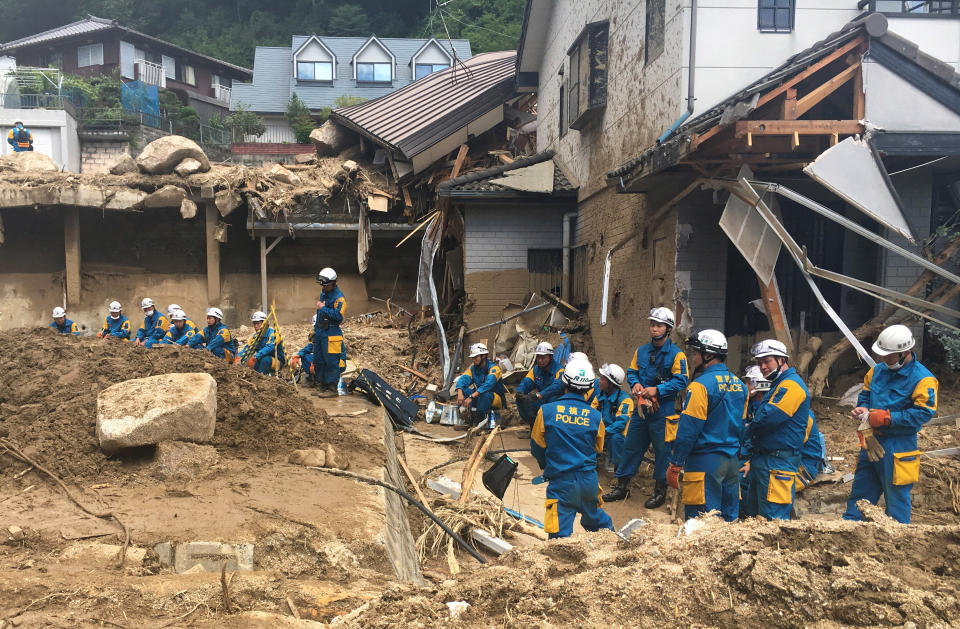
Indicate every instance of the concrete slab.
{"type": "Point", "coordinates": [211, 556]}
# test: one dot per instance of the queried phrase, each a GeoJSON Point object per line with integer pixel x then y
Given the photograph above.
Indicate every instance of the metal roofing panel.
{"type": "Point", "coordinates": [270, 89]}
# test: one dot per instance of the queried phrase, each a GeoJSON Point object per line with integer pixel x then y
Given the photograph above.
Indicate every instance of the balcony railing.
{"type": "Point", "coordinates": [32, 101]}
{"type": "Point", "coordinates": [222, 93]}
{"type": "Point", "coordinates": [913, 8]}
{"type": "Point", "coordinates": [151, 73]}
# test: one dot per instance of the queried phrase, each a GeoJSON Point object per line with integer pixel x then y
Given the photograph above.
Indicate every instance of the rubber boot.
{"type": "Point", "coordinates": [620, 491]}
{"type": "Point", "coordinates": [658, 498]}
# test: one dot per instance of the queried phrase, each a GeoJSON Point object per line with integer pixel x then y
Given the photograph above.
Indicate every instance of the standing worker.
{"type": "Point", "coordinates": [776, 434]}
{"type": "Point", "coordinates": [329, 354]}
{"type": "Point", "coordinates": [267, 357]}
{"type": "Point", "coordinates": [116, 325]}
{"type": "Point", "coordinates": [658, 373]}
{"type": "Point", "coordinates": [154, 325]}
{"type": "Point", "coordinates": [479, 389]}
{"type": "Point", "coordinates": [541, 384]}
{"type": "Point", "coordinates": [899, 396]}
{"type": "Point", "coordinates": [709, 432]}
{"type": "Point", "coordinates": [566, 438]}
{"type": "Point", "coordinates": [62, 324]}
{"type": "Point", "coordinates": [616, 408]}
{"type": "Point", "coordinates": [215, 338]}
{"type": "Point", "coordinates": [180, 330]}
{"type": "Point", "coordinates": [20, 138]}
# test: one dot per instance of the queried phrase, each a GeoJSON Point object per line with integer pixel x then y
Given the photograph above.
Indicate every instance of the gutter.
{"type": "Point", "coordinates": [691, 76]}
{"type": "Point", "coordinates": [566, 286]}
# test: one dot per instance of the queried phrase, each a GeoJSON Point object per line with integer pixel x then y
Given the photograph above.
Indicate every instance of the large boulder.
{"type": "Point", "coordinates": [161, 156]}
{"type": "Point", "coordinates": [188, 167]}
{"type": "Point", "coordinates": [167, 196]}
{"type": "Point", "coordinates": [227, 200]}
{"type": "Point", "coordinates": [123, 165]}
{"type": "Point", "coordinates": [146, 411]}
{"type": "Point", "coordinates": [178, 459]}
{"type": "Point", "coordinates": [30, 162]}
{"type": "Point", "coordinates": [281, 174]}
{"type": "Point", "coordinates": [330, 138]}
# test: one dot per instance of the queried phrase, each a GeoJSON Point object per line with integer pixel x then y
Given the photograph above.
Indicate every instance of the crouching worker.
{"type": "Point", "coordinates": [267, 356]}
{"type": "Point", "coordinates": [899, 396]}
{"type": "Point", "coordinates": [63, 325]}
{"type": "Point", "coordinates": [215, 338]}
{"type": "Point", "coordinates": [154, 325]}
{"type": "Point", "coordinates": [616, 407]}
{"type": "Point", "coordinates": [180, 331]}
{"type": "Point", "coordinates": [709, 432]}
{"type": "Point", "coordinates": [541, 384]}
{"type": "Point", "coordinates": [302, 362]}
{"type": "Point", "coordinates": [116, 325]}
{"type": "Point", "coordinates": [479, 388]}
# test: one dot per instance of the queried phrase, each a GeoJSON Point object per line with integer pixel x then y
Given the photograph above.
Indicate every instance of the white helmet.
{"type": "Point", "coordinates": [896, 338]}
{"type": "Point", "coordinates": [172, 308]}
{"type": "Point", "coordinates": [753, 373]}
{"type": "Point", "coordinates": [662, 315]}
{"type": "Point", "coordinates": [259, 315]}
{"type": "Point", "coordinates": [59, 312]}
{"type": "Point", "coordinates": [215, 312]}
{"type": "Point", "coordinates": [326, 275]}
{"type": "Point", "coordinates": [577, 356]}
{"type": "Point", "coordinates": [478, 349]}
{"type": "Point", "coordinates": [709, 342]}
{"type": "Point", "coordinates": [178, 315]}
{"type": "Point", "coordinates": [769, 347]}
{"type": "Point", "coordinates": [146, 303]}
{"type": "Point", "coordinates": [578, 374]}
{"type": "Point", "coordinates": [543, 349]}
{"type": "Point", "coordinates": [115, 306]}
{"type": "Point", "coordinates": [613, 373]}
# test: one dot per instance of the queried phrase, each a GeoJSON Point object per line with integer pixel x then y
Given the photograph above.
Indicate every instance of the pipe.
{"type": "Point", "coordinates": [691, 75]}
{"type": "Point", "coordinates": [566, 285]}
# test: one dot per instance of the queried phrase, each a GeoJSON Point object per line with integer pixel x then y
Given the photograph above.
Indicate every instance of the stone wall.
{"type": "Point", "coordinates": [96, 156]}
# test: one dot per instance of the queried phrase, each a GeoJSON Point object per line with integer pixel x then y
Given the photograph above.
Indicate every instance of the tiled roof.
{"type": "Point", "coordinates": [480, 181]}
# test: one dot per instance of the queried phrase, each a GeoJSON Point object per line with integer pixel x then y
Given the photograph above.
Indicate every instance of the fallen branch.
{"type": "Point", "coordinates": [415, 372]}
{"type": "Point", "coordinates": [225, 588]}
{"type": "Point", "coordinates": [183, 617]}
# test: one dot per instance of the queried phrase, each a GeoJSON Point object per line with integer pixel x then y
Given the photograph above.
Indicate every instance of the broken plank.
{"type": "Point", "coordinates": [817, 94]}
{"type": "Point", "coordinates": [491, 542]}
{"type": "Point", "coordinates": [505, 159]}
{"type": "Point", "coordinates": [800, 127]}
{"type": "Point", "coordinates": [458, 163]}
{"type": "Point", "coordinates": [406, 198]}
{"type": "Point", "coordinates": [414, 372]}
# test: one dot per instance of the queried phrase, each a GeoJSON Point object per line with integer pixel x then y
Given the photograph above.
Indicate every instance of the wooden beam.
{"type": "Point", "coordinates": [801, 127]}
{"type": "Point", "coordinates": [212, 215]}
{"type": "Point", "coordinates": [773, 305]}
{"type": "Point", "coordinates": [789, 109]}
{"type": "Point", "coordinates": [816, 95]}
{"type": "Point", "coordinates": [834, 138]}
{"type": "Point", "coordinates": [749, 139]}
{"type": "Point", "coordinates": [859, 98]}
{"type": "Point", "coordinates": [833, 56]}
{"type": "Point", "coordinates": [71, 243]}
{"type": "Point", "coordinates": [794, 141]}
{"type": "Point", "coordinates": [458, 163]}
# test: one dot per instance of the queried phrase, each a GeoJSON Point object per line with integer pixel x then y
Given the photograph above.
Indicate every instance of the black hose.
{"type": "Point", "coordinates": [373, 481]}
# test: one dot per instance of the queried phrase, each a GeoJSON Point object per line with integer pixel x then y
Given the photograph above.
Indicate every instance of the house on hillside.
{"type": "Point", "coordinates": [659, 109]}
{"type": "Point", "coordinates": [322, 69]}
{"type": "Point", "coordinates": [95, 46]}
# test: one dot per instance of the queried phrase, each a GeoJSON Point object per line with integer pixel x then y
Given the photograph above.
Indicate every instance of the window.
{"type": "Point", "coordinates": [90, 55]}
{"type": "Point", "coordinates": [169, 67]}
{"type": "Point", "coordinates": [775, 16]}
{"type": "Point", "coordinates": [917, 8]}
{"type": "Point", "coordinates": [562, 106]}
{"type": "Point", "coordinates": [586, 77]}
{"type": "Point", "coordinates": [423, 69]}
{"type": "Point", "coordinates": [545, 268]}
{"type": "Point", "coordinates": [186, 74]}
{"type": "Point", "coordinates": [374, 72]}
{"type": "Point", "coordinates": [314, 71]}
{"type": "Point", "coordinates": [653, 35]}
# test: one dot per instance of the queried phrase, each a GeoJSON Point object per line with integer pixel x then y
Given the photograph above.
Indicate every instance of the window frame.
{"type": "Point", "coordinates": [374, 69]}
{"type": "Point", "coordinates": [182, 71]}
{"type": "Point", "coordinates": [649, 58]}
{"type": "Point", "coordinates": [89, 48]}
{"type": "Point", "coordinates": [315, 64]}
{"type": "Point", "coordinates": [587, 89]}
{"type": "Point", "coordinates": [953, 14]}
{"type": "Point", "coordinates": [433, 66]}
{"type": "Point", "coordinates": [775, 28]}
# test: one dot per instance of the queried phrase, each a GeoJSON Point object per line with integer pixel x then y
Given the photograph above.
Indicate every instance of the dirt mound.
{"type": "Point", "coordinates": [789, 574]}
{"type": "Point", "coordinates": [48, 399]}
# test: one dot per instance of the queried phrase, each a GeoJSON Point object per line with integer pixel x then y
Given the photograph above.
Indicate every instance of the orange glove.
{"type": "Point", "coordinates": [252, 362]}
{"type": "Point", "coordinates": [879, 417]}
{"type": "Point", "coordinates": [295, 362]}
{"type": "Point", "coordinates": [311, 369]}
{"type": "Point", "coordinates": [673, 475]}
{"type": "Point", "coordinates": [100, 334]}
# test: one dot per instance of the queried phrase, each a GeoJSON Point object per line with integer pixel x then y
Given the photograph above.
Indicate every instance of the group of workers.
{"type": "Point", "coordinates": [738, 446]}
{"type": "Point", "coordinates": [324, 358]}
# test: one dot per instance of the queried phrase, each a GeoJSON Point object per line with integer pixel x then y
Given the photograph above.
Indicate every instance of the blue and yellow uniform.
{"type": "Point", "coordinates": [910, 394]}
{"type": "Point", "coordinates": [118, 328]}
{"type": "Point", "coordinates": [306, 356]}
{"type": "Point", "coordinates": [663, 367]}
{"type": "Point", "coordinates": [776, 436]}
{"type": "Point", "coordinates": [20, 139]}
{"type": "Point", "coordinates": [616, 409]}
{"type": "Point", "coordinates": [708, 442]}
{"type": "Point", "coordinates": [753, 405]}
{"type": "Point", "coordinates": [68, 327]}
{"type": "Point", "coordinates": [546, 381]}
{"type": "Point", "coordinates": [484, 379]}
{"type": "Point", "coordinates": [566, 438]}
{"type": "Point", "coordinates": [179, 337]}
{"type": "Point", "coordinates": [811, 455]}
{"type": "Point", "coordinates": [268, 354]}
{"type": "Point", "coordinates": [329, 353]}
{"type": "Point", "coordinates": [153, 329]}
{"type": "Point", "coordinates": [217, 340]}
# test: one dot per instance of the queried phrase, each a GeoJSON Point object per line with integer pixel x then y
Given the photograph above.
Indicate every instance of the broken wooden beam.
{"type": "Point", "coordinates": [816, 95]}
{"type": "Point", "coordinates": [799, 127]}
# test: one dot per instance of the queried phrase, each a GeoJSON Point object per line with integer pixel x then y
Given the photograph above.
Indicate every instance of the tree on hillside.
{"type": "Point", "coordinates": [348, 19]}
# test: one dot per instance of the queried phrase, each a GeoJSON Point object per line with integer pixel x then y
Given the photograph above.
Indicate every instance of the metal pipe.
{"type": "Point", "coordinates": [566, 284]}
{"type": "Point", "coordinates": [691, 76]}
{"type": "Point", "coordinates": [263, 273]}
{"type": "Point", "coordinates": [505, 319]}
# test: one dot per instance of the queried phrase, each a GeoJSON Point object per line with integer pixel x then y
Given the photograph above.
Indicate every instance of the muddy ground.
{"type": "Point", "coordinates": [319, 539]}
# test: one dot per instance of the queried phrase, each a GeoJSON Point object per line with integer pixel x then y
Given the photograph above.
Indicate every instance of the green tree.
{"type": "Point", "coordinates": [244, 122]}
{"type": "Point", "coordinates": [298, 115]}
{"type": "Point", "coordinates": [348, 19]}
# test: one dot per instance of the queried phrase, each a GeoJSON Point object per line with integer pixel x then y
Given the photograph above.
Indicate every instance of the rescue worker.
{"type": "Point", "coordinates": [657, 373]}
{"type": "Point", "coordinates": [62, 324]}
{"type": "Point", "coordinates": [566, 438]}
{"type": "Point", "coordinates": [267, 356]}
{"type": "Point", "coordinates": [479, 388]}
{"type": "Point", "coordinates": [20, 138]}
{"type": "Point", "coordinates": [172, 308]}
{"type": "Point", "coordinates": [541, 384]}
{"type": "Point", "coordinates": [776, 434]}
{"type": "Point", "coordinates": [709, 432]}
{"type": "Point", "coordinates": [116, 325]}
{"type": "Point", "coordinates": [304, 358]}
{"type": "Point", "coordinates": [757, 387]}
{"type": "Point", "coordinates": [154, 325]}
{"type": "Point", "coordinates": [329, 354]}
{"type": "Point", "coordinates": [616, 408]}
{"type": "Point", "coordinates": [812, 455]}
{"type": "Point", "coordinates": [215, 338]}
{"type": "Point", "coordinates": [899, 396]}
{"type": "Point", "coordinates": [180, 330]}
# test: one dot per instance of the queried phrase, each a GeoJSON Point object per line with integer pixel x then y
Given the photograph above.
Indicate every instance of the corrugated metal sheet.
{"type": "Point", "coordinates": [415, 117]}
{"type": "Point", "coordinates": [273, 81]}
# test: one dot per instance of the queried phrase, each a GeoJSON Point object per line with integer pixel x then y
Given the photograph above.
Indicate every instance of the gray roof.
{"type": "Point", "coordinates": [478, 183]}
{"type": "Point", "coordinates": [421, 114]}
{"type": "Point", "coordinates": [274, 83]}
{"type": "Point", "coordinates": [92, 24]}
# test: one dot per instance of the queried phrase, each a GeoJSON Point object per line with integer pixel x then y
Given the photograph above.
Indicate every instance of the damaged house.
{"type": "Point", "coordinates": [794, 207]}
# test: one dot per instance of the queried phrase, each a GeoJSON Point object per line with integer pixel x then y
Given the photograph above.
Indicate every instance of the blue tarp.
{"type": "Point", "coordinates": [138, 97]}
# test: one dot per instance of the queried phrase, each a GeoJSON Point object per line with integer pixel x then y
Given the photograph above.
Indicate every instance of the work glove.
{"type": "Point", "coordinates": [295, 362]}
{"type": "Point", "coordinates": [99, 335]}
{"type": "Point", "coordinates": [311, 369]}
{"type": "Point", "coordinates": [673, 475]}
{"type": "Point", "coordinates": [252, 362]}
{"type": "Point", "coordinates": [879, 417]}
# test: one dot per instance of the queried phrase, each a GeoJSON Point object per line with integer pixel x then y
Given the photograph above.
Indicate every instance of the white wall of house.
{"type": "Point", "coordinates": [313, 51]}
{"type": "Point", "coordinates": [374, 53]}
{"type": "Point", "coordinates": [54, 134]}
{"type": "Point", "coordinates": [278, 131]}
{"type": "Point", "coordinates": [432, 54]}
